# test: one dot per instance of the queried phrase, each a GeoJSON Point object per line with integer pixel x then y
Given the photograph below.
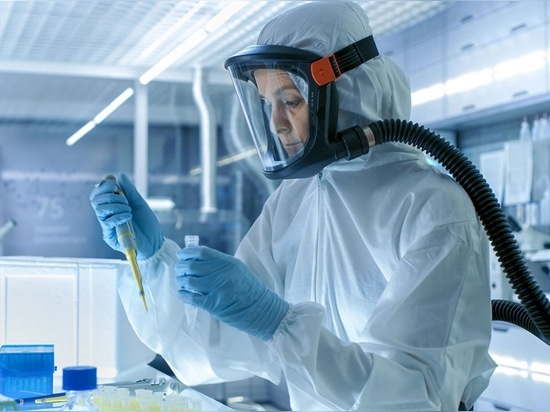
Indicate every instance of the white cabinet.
{"type": "Point", "coordinates": [528, 54]}
{"type": "Point", "coordinates": [480, 26]}
{"type": "Point", "coordinates": [469, 78]}
{"type": "Point", "coordinates": [464, 12]}
{"type": "Point", "coordinates": [471, 28]}
{"type": "Point", "coordinates": [426, 54]}
{"type": "Point", "coordinates": [517, 16]}
{"type": "Point", "coordinates": [500, 50]}
{"type": "Point", "coordinates": [508, 70]}
{"type": "Point", "coordinates": [395, 47]}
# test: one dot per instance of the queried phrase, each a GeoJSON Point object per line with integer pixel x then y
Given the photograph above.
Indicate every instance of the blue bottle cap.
{"type": "Point", "coordinates": [79, 378]}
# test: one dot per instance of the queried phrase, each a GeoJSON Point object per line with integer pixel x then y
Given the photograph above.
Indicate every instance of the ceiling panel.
{"type": "Point", "coordinates": [66, 59]}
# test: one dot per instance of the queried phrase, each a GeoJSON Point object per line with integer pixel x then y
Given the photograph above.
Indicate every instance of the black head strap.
{"type": "Point", "coordinates": [331, 67]}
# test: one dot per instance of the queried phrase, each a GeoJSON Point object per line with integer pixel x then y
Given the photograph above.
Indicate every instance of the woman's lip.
{"type": "Point", "coordinates": [292, 145]}
{"type": "Point", "coordinates": [293, 148]}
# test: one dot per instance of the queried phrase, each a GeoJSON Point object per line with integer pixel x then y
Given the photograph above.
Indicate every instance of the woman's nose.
{"type": "Point", "coordinates": [280, 123]}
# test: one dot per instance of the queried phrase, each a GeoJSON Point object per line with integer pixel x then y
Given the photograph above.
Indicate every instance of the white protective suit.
{"type": "Point", "coordinates": [382, 258]}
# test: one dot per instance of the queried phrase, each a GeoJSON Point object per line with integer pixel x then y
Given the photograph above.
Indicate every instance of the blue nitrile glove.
{"type": "Point", "coordinates": [225, 287]}
{"type": "Point", "coordinates": [113, 209]}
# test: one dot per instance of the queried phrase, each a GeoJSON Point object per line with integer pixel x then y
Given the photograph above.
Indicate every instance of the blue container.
{"type": "Point", "coordinates": [26, 370]}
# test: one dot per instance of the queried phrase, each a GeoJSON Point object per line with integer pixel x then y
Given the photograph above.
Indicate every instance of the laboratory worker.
{"type": "Point", "coordinates": [364, 282]}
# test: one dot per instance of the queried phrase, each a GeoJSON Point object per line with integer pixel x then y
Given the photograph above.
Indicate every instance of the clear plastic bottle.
{"type": "Point", "coordinates": [80, 383]}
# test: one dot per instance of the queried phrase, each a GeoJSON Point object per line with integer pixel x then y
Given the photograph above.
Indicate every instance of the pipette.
{"type": "Point", "coordinates": [127, 239]}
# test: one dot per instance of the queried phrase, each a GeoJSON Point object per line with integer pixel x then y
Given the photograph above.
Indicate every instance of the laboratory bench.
{"type": "Point", "coordinates": [521, 382]}
{"type": "Point", "coordinates": [90, 327]}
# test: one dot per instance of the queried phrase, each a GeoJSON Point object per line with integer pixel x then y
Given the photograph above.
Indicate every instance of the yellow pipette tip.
{"type": "Point", "coordinates": [131, 256]}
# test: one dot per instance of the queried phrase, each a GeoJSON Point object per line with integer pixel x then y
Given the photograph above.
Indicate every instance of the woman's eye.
{"type": "Point", "coordinates": [293, 104]}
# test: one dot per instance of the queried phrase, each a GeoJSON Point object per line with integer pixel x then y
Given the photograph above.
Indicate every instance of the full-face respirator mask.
{"type": "Point", "coordinates": [290, 102]}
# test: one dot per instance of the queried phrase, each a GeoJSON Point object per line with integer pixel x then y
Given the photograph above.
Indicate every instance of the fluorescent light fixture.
{"type": "Point", "coordinates": [161, 39]}
{"type": "Point", "coordinates": [102, 115]}
{"type": "Point", "coordinates": [192, 41]}
{"type": "Point", "coordinates": [115, 104]}
{"type": "Point", "coordinates": [229, 11]}
{"type": "Point", "coordinates": [173, 57]}
{"type": "Point", "coordinates": [76, 136]}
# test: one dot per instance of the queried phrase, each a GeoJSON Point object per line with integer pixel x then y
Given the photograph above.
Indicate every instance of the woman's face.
{"type": "Point", "coordinates": [287, 108]}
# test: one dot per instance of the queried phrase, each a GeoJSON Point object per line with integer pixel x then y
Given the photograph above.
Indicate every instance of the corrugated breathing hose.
{"type": "Point", "coordinates": [533, 314]}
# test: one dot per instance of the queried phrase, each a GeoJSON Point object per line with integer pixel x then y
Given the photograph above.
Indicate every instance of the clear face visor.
{"type": "Point", "coordinates": [275, 103]}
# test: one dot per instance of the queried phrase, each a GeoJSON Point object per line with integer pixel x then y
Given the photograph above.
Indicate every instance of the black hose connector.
{"type": "Point", "coordinates": [533, 314]}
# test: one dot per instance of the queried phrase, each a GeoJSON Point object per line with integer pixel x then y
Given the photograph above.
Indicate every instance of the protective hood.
{"type": "Point", "coordinates": [376, 90]}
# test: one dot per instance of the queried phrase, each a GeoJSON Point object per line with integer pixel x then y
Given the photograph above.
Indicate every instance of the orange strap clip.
{"type": "Point", "coordinates": [325, 70]}
{"type": "Point", "coordinates": [329, 68]}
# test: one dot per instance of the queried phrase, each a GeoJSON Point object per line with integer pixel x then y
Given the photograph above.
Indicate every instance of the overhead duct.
{"type": "Point", "coordinates": [209, 141]}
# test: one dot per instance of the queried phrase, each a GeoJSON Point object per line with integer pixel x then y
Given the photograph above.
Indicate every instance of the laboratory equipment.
{"type": "Point", "coordinates": [26, 370]}
{"type": "Point", "coordinates": [127, 239]}
{"type": "Point", "coordinates": [80, 383]}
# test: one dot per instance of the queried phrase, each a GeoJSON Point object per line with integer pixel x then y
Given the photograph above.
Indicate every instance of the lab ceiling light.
{"type": "Point", "coordinates": [102, 115]}
{"type": "Point", "coordinates": [173, 56]}
{"type": "Point", "coordinates": [192, 41]}
{"type": "Point", "coordinates": [173, 29]}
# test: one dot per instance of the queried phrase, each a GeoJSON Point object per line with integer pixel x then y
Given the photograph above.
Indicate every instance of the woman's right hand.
{"type": "Point", "coordinates": [113, 209]}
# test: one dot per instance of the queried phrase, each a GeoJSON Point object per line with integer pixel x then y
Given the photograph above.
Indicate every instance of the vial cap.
{"type": "Point", "coordinates": [79, 378]}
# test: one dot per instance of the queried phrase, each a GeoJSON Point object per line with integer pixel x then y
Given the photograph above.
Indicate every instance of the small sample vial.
{"type": "Point", "coordinates": [80, 383]}
{"type": "Point", "coordinates": [191, 240]}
